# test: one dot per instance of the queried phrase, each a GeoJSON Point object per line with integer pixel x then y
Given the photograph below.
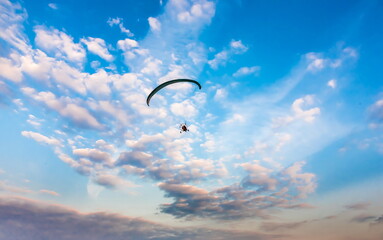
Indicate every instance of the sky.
{"type": "Point", "coordinates": [286, 134]}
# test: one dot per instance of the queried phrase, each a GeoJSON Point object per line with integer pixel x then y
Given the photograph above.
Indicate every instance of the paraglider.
{"type": "Point", "coordinates": [184, 127]}
{"type": "Point", "coordinates": [158, 88]}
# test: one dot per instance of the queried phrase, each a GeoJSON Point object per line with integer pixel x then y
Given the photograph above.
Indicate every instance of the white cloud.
{"type": "Point", "coordinates": [10, 71]}
{"type": "Point", "coordinates": [65, 107]}
{"type": "Point", "coordinates": [98, 47]}
{"type": "Point", "coordinates": [152, 66]}
{"type": "Point", "coordinates": [41, 138]}
{"type": "Point", "coordinates": [199, 10]}
{"type": "Point", "coordinates": [244, 71]}
{"type": "Point", "coordinates": [299, 113]}
{"type": "Point", "coordinates": [185, 109]}
{"type": "Point", "coordinates": [209, 143]}
{"type": "Point", "coordinates": [11, 29]}
{"type": "Point", "coordinates": [282, 139]}
{"type": "Point", "coordinates": [37, 65]}
{"type": "Point", "coordinates": [114, 109]}
{"type": "Point", "coordinates": [316, 62]}
{"type": "Point", "coordinates": [95, 64]}
{"type": "Point", "coordinates": [131, 50]}
{"type": "Point", "coordinates": [235, 119]}
{"type": "Point", "coordinates": [59, 43]}
{"type": "Point", "coordinates": [119, 22]}
{"type": "Point", "coordinates": [221, 58]}
{"type": "Point", "coordinates": [98, 83]}
{"type": "Point", "coordinates": [53, 6]}
{"type": "Point", "coordinates": [69, 76]}
{"type": "Point", "coordinates": [34, 121]}
{"type": "Point", "coordinates": [307, 115]}
{"type": "Point", "coordinates": [220, 94]}
{"type": "Point", "coordinates": [155, 24]}
{"type": "Point", "coordinates": [332, 83]}
{"type": "Point", "coordinates": [238, 47]}
{"type": "Point", "coordinates": [102, 144]}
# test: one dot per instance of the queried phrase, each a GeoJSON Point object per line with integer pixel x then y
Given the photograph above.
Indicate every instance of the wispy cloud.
{"type": "Point", "coordinates": [41, 138]}
{"type": "Point", "coordinates": [358, 206]}
{"type": "Point", "coordinates": [49, 192]}
{"type": "Point", "coordinates": [244, 71]}
{"type": "Point", "coordinates": [119, 22]}
{"type": "Point", "coordinates": [53, 6]}
{"type": "Point", "coordinates": [235, 47]}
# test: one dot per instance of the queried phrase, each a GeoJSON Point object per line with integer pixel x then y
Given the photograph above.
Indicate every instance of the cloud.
{"type": "Point", "coordinates": [358, 206]}
{"type": "Point", "coordinates": [4, 186]}
{"type": "Point", "coordinates": [299, 113]}
{"type": "Point", "coordinates": [270, 226]}
{"type": "Point", "coordinates": [378, 220]}
{"type": "Point", "coordinates": [332, 83]}
{"type": "Point", "coordinates": [49, 192]}
{"type": "Point", "coordinates": [112, 105]}
{"type": "Point", "coordinates": [136, 158]}
{"type": "Point", "coordinates": [65, 107]}
{"type": "Point", "coordinates": [94, 155]}
{"type": "Point", "coordinates": [10, 71]}
{"type": "Point", "coordinates": [262, 189]}
{"type": "Point", "coordinates": [11, 28]}
{"type": "Point", "coordinates": [98, 46]}
{"type": "Point", "coordinates": [376, 111]}
{"type": "Point", "coordinates": [363, 218]}
{"type": "Point", "coordinates": [119, 22]}
{"type": "Point", "coordinates": [220, 94]}
{"type": "Point", "coordinates": [152, 66]}
{"type": "Point", "coordinates": [53, 6]}
{"type": "Point", "coordinates": [185, 108]}
{"type": "Point", "coordinates": [59, 44]}
{"type": "Point", "coordinates": [245, 71]}
{"type": "Point", "coordinates": [221, 58]}
{"type": "Point", "coordinates": [201, 10]}
{"type": "Point", "coordinates": [38, 65]}
{"type": "Point", "coordinates": [112, 181]}
{"type": "Point", "coordinates": [98, 83]}
{"type": "Point", "coordinates": [43, 221]}
{"type": "Point", "coordinates": [155, 24]}
{"type": "Point", "coordinates": [304, 182]}
{"type": "Point", "coordinates": [41, 138]}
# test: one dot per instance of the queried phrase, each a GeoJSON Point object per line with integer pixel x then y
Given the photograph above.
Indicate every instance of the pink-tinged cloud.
{"type": "Point", "coordinates": [49, 192]}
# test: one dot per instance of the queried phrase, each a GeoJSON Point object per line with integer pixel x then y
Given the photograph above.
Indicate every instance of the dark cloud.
{"type": "Point", "coordinates": [362, 218]}
{"type": "Point", "coordinates": [271, 226]}
{"type": "Point", "coordinates": [258, 192]}
{"type": "Point", "coordinates": [378, 220]}
{"type": "Point", "coordinates": [358, 206]}
{"type": "Point", "coordinates": [23, 219]}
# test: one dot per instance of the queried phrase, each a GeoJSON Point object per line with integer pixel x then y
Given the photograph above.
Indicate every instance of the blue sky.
{"type": "Point", "coordinates": [285, 135]}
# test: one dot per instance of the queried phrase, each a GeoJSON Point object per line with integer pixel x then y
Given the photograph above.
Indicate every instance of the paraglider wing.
{"type": "Point", "coordinates": [168, 83]}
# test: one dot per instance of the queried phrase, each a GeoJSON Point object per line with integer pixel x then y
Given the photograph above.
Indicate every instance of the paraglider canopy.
{"type": "Point", "coordinates": [158, 88]}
